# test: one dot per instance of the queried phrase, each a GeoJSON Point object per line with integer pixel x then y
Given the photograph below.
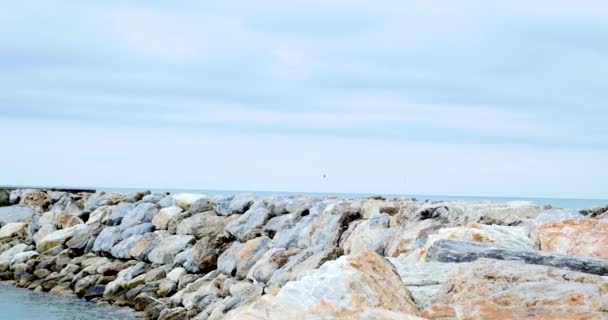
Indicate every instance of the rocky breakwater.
{"type": "Point", "coordinates": [186, 256]}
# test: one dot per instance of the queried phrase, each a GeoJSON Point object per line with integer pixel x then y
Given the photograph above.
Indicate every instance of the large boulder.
{"type": "Point", "coordinates": [142, 246]}
{"type": "Point", "coordinates": [463, 251]}
{"type": "Point", "coordinates": [168, 248]}
{"type": "Point", "coordinates": [493, 289]}
{"type": "Point", "coordinates": [514, 237]}
{"type": "Point", "coordinates": [60, 237]}
{"type": "Point", "coordinates": [34, 198]}
{"type": "Point", "coordinates": [585, 237]}
{"type": "Point", "coordinates": [202, 225]}
{"type": "Point", "coordinates": [346, 288]}
{"type": "Point", "coordinates": [13, 230]}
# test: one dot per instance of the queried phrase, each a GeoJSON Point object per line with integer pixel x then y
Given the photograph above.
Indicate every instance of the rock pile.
{"type": "Point", "coordinates": [188, 256]}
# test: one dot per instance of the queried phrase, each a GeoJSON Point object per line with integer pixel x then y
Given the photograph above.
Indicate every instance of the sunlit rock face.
{"type": "Point", "coordinates": [584, 237]}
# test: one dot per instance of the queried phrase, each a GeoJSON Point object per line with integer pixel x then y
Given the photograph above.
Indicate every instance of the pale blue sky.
{"type": "Point", "coordinates": [414, 97]}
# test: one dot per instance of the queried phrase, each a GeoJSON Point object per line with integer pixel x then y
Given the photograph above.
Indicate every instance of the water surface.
{"type": "Point", "coordinates": [18, 303]}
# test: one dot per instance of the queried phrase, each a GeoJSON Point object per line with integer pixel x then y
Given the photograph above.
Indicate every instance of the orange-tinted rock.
{"type": "Point", "coordinates": [495, 289]}
{"type": "Point", "coordinates": [585, 237]}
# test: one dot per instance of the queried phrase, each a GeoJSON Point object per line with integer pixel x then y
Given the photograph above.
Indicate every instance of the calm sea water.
{"type": "Point", "coordinates": [19, 303]}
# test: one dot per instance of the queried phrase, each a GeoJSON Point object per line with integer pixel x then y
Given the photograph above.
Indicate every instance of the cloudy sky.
{"type": "Point", "coordinates": [502, 98]}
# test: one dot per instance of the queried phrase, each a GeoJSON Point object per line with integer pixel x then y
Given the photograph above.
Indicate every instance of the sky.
{"type": "Point", "coordinates": [473, 97]}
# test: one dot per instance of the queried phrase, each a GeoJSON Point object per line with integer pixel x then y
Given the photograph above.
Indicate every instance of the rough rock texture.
{"type": "Point", "coordinates": [492, 289]}
{"type": "Point", "coordinates": [461, 251]}
{"type": "Point", "coordinates": [585, 237]}
{"type": "Point", "coordinates": [188, 256]}
{"type": "Point", "coordinates": [349, 284]}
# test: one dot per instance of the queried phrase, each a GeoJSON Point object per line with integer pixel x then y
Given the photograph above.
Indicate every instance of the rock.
{"type": "Point", "coordinates": [153, 198]}
{"type": "Point", "coordinates": [8, 255]}
{"type": "Point", "coordinates": [168, 247]}
{"type": "Point", "coordinates": [162, 218]}
{"type": "Point", "coordinates": [350, 284]}
{"type": "Point", "coordinates": [493, 289]}
{"type": "Point", "coordinates": [5, 198]}
{"type": "Point", "coordinates": [104, 199]}
{"type": "Point", "coordinates": [423, 279]}
{"type": "Point", "coordinates": [106, 240]}
{"type": "Point", "coordinates": [15, 214]}
{"type": "Point", "coordinates": [240, 257]}
{"type": "Point", "coordinates": [372, 234]}
{"type": "Point", "coordinates": [200, 205]}
{"type": "Point", "coordinates": [66, 220]}
{"type": "Point", "coordinates": [34, 199]}
{"type": "Point", "coordinates": [139, 229]}
{"type": "Point", "coordinates": [595, 212]}
{"type": "Point", "coordinates": [506, 236]}
{"type": "Point", "coordinates": [81, 287]}
{"type": "Point", "coordinates": [234, 204]}
{"type": "Point", "coordinates": [584, 237]}
{"type": "Point", "coordinates": [202, 225]}
{"type": "Point", "coordinates": [373, 207]}
{"type": "Point", "coordinates": [165, 288]}
{"type": "Point", "coordinates": [23, 257]}
{"type": "Point", "coordinates": [142, 213]}
{"type": "Point", "coordinates": [321, 229]}
{"type": "Point", "coordinates": [249, 225]}
{"type": "Point", "coordinates": [279, 223]}
{"type": "Point", "coordinates": [100, 215]}
{"type": "Point", "coordinates": [461, 251]}
{"type": "Point", "coordinates": [144, 245]}
{"type": "Point", "coordinates": [195, 292]}
{"type": "Point", "coordinates": [186, 259]}
{"type": "Point", "coordinates": [185, 200]}
{"type": "Point", "coordinates": [43, 232]}
{"type": "Point", "coordinates": [269, 263]}
{"type": "Point", "coordinates": [95, 292]}
{"type": "Point", "coordinates": [13, 230]}
{"type": "Point", "coordinates": [83, 239]}
{"type": "Point", "coordinates": [60, 237]}
{"type": "Point", "coordinates": [175, 274]}
{"type": "Point", "coordinates": [122, 250]}
{"type": "Point", "coordinates": [305, 260]}
{"type": "Point", "coordinates": [119, 212]}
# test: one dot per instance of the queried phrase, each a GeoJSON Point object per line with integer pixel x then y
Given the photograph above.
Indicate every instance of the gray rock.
{"type": "Point", "coordinates": [462, 251]}
{"type": "Point", "coordinates": [142, 213]}
{"type": "Point", "coordinates": [249, 225]}
{"type": "Point", "coordinates": [168, 248]}
{"type": "Point", "coordinates": [107, 239]}
{"type": "Point", "coordinates": [234, 204]}
{"type": "Point", "coordinates": [119, 212]}
{"type": "Point", "coordinates": [122, 250]}
{"type": "Point", "coordinates": [240, 257]}
{"type": "Point", "coordinates": [139, 229]}
{"type": "Point", "coordinates": [200, 205]}
{"type": "Point", "coordinates": [153, 198]}
{"type": "Point", "coordinates": [186, 260]}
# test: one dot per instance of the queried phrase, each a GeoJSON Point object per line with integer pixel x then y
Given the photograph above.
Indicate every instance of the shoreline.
{"type": "Point", "coordinates": [191, 256]}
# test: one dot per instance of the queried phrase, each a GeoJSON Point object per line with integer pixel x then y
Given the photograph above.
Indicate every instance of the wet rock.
{"type": "Point", "coordinates": [240, 257]}
{"type": "Point", "coordinates": [249, 225]}
{"type": "Point", "coordinates": [94, 292]}
{"type": "Point", "coordinates": [460, 251]}
{"type": "Point", "coordinates": [162, 218]}
{"type": "Point", "coordinates": [493, 289]}
{"type": "Point", "coordinates": [584, 237]}
{"type": "Point", "coordinates": [13, 230]}
{"type": "Point", "coordinates": [168, 247]}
